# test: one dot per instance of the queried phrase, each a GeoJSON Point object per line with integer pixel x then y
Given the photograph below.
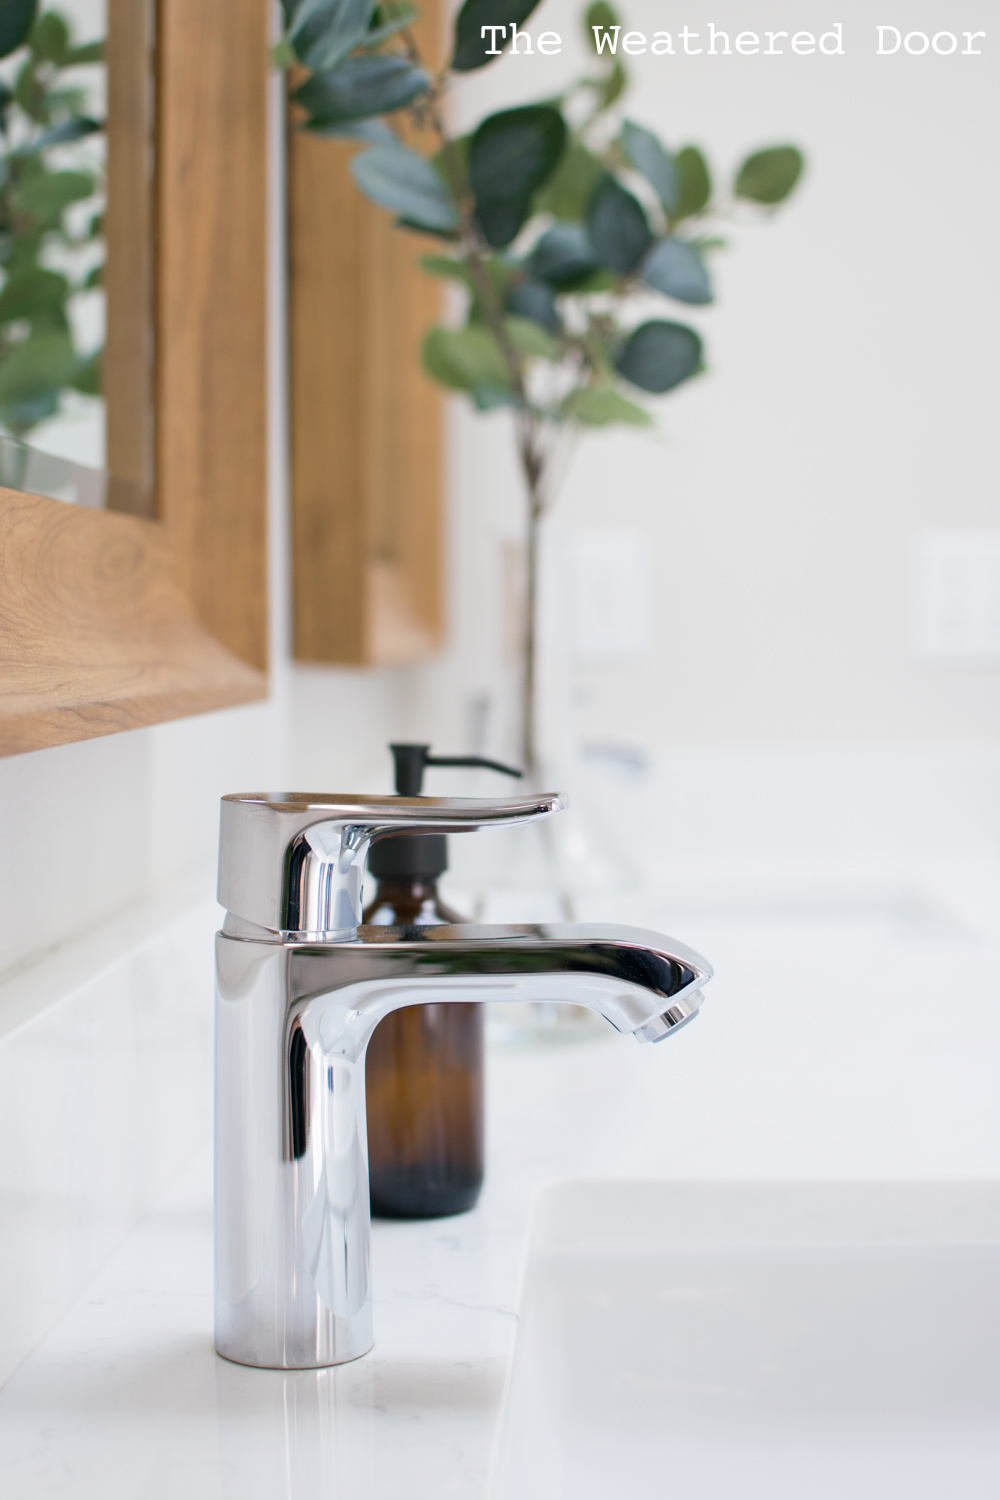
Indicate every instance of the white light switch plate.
{"type": "Point", "coordinates": [956, 597]}
{"type": "Point", "coordinates": [609, 595]}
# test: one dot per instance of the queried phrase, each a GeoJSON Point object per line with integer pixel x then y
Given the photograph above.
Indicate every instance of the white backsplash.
{"type": "Point", "coordinates": [105, 1091]}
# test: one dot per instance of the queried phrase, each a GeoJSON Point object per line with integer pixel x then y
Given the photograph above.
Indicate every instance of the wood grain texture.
{"type": "Point", "coordinates": [329, 533]}
{"type": "Point", "coordinates": [95, 633]}
{"type": "Point", "coordinates": [211, 326]}
{"type": "Point", "coordinates": [129, 259]}
{"type": "Point", "coordinates": [366, 423]}
{"type": "Point", "coordinates": [109, 621]}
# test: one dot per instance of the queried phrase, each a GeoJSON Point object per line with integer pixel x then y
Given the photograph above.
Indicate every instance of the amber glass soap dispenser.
{"type": "Point", "coordinates": [424, 1071]}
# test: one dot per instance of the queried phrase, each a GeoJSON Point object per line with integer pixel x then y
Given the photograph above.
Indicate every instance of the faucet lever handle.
{"type": "Point", "coordinates": [294, 862]}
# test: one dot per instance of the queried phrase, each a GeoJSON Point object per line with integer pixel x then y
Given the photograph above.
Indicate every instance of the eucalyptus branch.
{"type": "Point", "coordinates": [472, 253]}
{"type": "Point", "coordinates": [599, 242]}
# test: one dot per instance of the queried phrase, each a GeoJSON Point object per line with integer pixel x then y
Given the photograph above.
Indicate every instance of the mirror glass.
{"type": "Point", "coordinates": [76, 341]}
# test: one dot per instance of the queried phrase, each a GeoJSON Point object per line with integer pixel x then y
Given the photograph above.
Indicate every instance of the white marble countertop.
{"type": "Point", "coordinates": [839, 1039]}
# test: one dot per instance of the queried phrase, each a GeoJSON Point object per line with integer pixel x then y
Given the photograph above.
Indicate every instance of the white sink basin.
{"type": "Point", "coordinates": [729, 1342]}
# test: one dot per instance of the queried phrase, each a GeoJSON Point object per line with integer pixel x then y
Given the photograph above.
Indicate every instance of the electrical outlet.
{"type": "Point", "coordinates": [956, 597]}
{"type": "Point", "coordinates": [609, 596]}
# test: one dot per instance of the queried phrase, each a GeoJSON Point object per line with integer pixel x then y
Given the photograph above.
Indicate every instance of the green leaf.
{"type": "Point", "coordinates": [323, 32]}
{"type": "Point", "coordinates": [283, 55]}
{"type": "Point", "coordinates": [89, 374]}
{"type": "Point", "coordinates": [469, 359]}
{"type": "Point", "coordinates": [446, 162]}
{"type": "Point", "coordinates": [362, 86]}
{"type": "Point", "coordinates": [402, 16]}
{"type": "Point", "coordinates": [530, 340]}
{"type": "Point", "coordinates": [536, 301]}
{"type": "Point", "coordinates": [94, 277]}
{"type": "Point", "coordinates": [564, 256]}
{"type": "Point", "coordinates": [499, 273]}
{"type": "Point", "coordinates": [60, 135]}
{"type": "Point", "coordinates": [21, 415]}
{"type": "Point", "coordinates": [465, 359]}
{"type": "Point", "coordinates": [769, 176]}
{"type": "Point", "coordinates": [602, 28]}
{"type": "Point", "coordinates": [66, 101]}
{"type": "Point", "coordinates": [446, 267]}
{"type": "Point", "coordinates": [695, 182]}
{"type": "Point", "coordinates": [49, 38]}
{"type": "Point", "coordinates": [450, 235]}
{"type": "Point", "coordinates": [29, 94]}
{"type": "Point", "coordinates": [400, 180]}
{"type": "Point", "coordinates": [599, 14]}
{"type": "Point", "coordinates": [30, 291]}
{"type": "Point", "coordinates": [16, 20]}
{"type": "Point", "coordinates": [618, 228]}
{"type": "Point", "coordinates": [614, 85]}
{"type": "Point", "coordinates": [50, 320]}
{"type": "Point", "coordinates": [375, 132]}
{"type": "Point", "coordinates": [567, 192]}
{"type": "Point", "coordinates": [472, 49]}
{"type": "Point", "coordinates": [600, 406]}
{"type": "Point", "coordinates": [657, 356]}
{"type": "Point", "coordinates": [655, 163]}
{"type": "Point", "coordinates": [489, 397]}
{"type": "Point", "coordinates": [598, 281]}
{"type": "Point", "coordinates": [510, 155]}
{"type": "Point", "coordinates": [675, 268]}
{"type": "Point", "coordinates": [44, 197]}
{"type": "Point", "coordinates": [89, 52]}
{"type": "Point", "coordinates": [39, 368]}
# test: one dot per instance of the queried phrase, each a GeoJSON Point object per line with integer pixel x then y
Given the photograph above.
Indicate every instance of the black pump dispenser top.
{"type": "Point", "coordinates": [419, 856]}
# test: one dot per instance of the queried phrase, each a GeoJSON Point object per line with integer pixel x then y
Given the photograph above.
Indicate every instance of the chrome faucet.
{"type": "Point", "coordinates": [301, 986]}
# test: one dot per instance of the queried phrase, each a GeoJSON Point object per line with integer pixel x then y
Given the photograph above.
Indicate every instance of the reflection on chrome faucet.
{"type": "Point", "coordinates": [301, 987]}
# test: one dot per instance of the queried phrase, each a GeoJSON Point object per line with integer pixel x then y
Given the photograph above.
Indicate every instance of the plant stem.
{"type": "Point", "coordinates": [529, 447]}
{"type": "Point", "coordinates": [529, 679]}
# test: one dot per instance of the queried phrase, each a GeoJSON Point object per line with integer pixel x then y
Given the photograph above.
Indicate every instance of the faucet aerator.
{"type": "Point", "coordinates": [669, 1022]}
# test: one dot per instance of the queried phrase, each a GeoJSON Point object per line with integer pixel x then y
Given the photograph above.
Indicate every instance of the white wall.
{"type": "Point", "coordinates": [849, 400]}
{"type": "Point", "coordinates": [847, 405]}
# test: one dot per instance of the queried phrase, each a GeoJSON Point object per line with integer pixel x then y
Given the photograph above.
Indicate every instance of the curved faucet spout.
{"type": "Point", "coordinates": [638, 981]}
{"type": "Point", "coordinates": [293, 1020]}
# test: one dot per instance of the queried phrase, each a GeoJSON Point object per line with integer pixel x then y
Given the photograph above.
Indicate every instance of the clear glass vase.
{"type": "Point", "coordinates": [541, 872]}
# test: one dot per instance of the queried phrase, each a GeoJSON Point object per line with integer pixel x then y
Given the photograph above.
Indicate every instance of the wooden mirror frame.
{"type": "Point", "coordinates": [111, 621]}
{"type": "Point", "coordinates": [367, 425]}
